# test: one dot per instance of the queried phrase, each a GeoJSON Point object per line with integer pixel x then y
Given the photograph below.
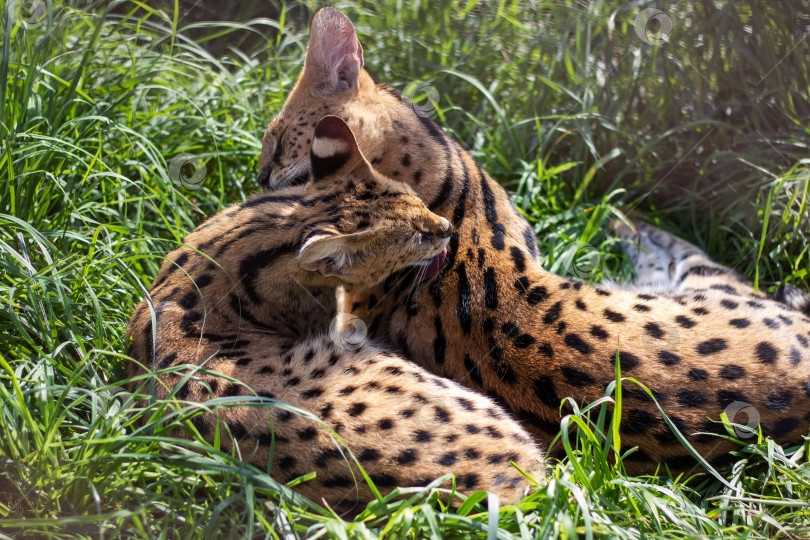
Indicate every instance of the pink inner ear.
{"type": "Point", "coordinates": [343, 53]}
{"type": "Point", "coordinates": [334, 45]}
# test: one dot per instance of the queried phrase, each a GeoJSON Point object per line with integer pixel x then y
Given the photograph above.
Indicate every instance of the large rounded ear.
{"type": "Point", "coordinates": [334, 148]}
{"type": "Point", "coordinates": [334, 55]}
{"type": "Point", "coordinates": [330, 254]}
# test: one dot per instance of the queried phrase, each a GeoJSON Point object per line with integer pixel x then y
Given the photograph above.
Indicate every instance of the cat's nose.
{"type": "Point", "coordinates": [445, 227]}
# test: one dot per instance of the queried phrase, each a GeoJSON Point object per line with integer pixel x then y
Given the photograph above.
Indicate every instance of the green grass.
{"type": "Point", "coordinates": [562, 102]}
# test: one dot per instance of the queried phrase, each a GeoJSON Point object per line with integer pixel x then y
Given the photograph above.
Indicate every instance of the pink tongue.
{"type": "Point", "coordinates": [435, 263]}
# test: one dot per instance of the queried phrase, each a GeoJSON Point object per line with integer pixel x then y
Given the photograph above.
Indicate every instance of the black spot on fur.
{"type": "Point", "coordinates": [510, 329]}
{"type": "Point", "coordinates": [357, 409]}
{"type": "Point", "coordinates": [627, 361]}
{"type": "Point", "coordinates": [698, 374]}
{"type": "Point", "coordinates": [522, 284]}
{"type": "Point", "coordinates": [553, 313]}
{"type": "Point", "coordinates": [167, 360]}
{"type": "Point", "coordinates": [599, 333]}
{"type": "Point", "coordinates": [472, 369]}
{"type": "Point", "coordinates": [574, 341]}
{"type": "Point", "coordinates": [667, 358]}
{"type": "Point", "coordinates": [685, 322]}
{"type": "Point", "coordinates": [369, 454]}
{"type": "Point", "coordinates": [498, 236]}
{"type": "Point", "coordinates": [464, 295]}
{"type": "Point", "coordinates": [727, 397]}
{"type": "Point", "coordinates": [740, 323]}
{"type": "Point", "coordinates": [518, 258]}
{"type": "Point", "coordinates": [732, 372]}
{"type": "Point", "coordinates": [337, 481]}
{"type": "Point", "coordinates": [307, 434]}
{"type": "Point", "coordinates": [779, 401]}
{"type": "Point", "coordinates": [691, 398]}
{"type": "Point", "coordinates": [668, 438]}
{"type": "Point", "coordinates": [536, 295]}
{"type": "Point", "coordinates": [653, 330]}
{"type": "Point", "coordinates": [728, 304]}
{"type": "Point", "coordinates": [638, 422]}
{"type": "Point", "coordinates": [530, 240]}
{"type": "Point", "coordinates": [783, 427]}
{"type": "Point", "coordinates": [712, 346]}
{"type": "Point", "coordinates": [766, 353]}
{"type": "Point", "coordinates": [613, 316]}
{"type": "Point", "coordinates": [189, 300]}
{"type": "Point", "coordinates": [577, 378]}
{"type": "Point", "coordinates": [702, 270]}
{"type": "Point", "coordinates": [440, 343]}
{"type": "Point", "coordinates": [490, 289]}
{"type": "Point", "coordinates": [523, 341]}
{"type": "Point", "coordinates": [312, 393]}
{"type": "Point", "coordinates": [546, 391]}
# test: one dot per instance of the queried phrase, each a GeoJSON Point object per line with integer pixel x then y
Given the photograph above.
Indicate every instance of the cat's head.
{"type": "Point", "coordinates": [366, 226]}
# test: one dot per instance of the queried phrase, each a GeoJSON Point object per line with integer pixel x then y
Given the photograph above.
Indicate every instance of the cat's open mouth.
{"type": "Point", "coordinates": [435, 263]}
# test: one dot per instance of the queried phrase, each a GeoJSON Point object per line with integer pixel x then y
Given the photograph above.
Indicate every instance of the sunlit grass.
{"type": "Point", "coordinates": [562, 103]}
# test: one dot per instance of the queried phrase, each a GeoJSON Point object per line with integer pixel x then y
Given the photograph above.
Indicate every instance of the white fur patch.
{"type": "Point", "coordinates": [324, 147]}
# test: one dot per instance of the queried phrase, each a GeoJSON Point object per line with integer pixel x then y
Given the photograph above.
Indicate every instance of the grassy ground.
{"type": "Point", "coordinates": [567, 104]}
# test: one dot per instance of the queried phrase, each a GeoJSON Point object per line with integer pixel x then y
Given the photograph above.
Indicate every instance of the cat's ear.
{"type": "Point", "coordinates": [334, 55]}
{"type": "Point", "coordinates": [334, 149]}
{"type": "Point", "coordinates": [330, 254]}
